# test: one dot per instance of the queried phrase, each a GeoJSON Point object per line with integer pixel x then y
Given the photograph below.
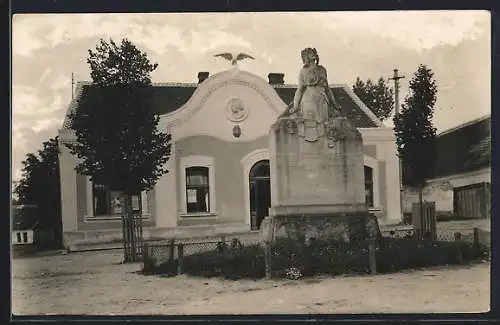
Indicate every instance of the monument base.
{"type": "Point", "coordinates": [317, 209]}
{"type": "Point", "coordinates": [346, 226]}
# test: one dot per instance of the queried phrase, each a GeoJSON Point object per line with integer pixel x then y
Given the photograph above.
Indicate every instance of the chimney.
{"type": "Point", "coordinates": [202, 76]}
{"type": "Point", "coordinates": [276, 78]}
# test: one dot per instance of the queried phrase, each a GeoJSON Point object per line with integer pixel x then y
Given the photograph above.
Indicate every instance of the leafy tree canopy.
{"type": "Point", "coordinates": [414, 129]}
{"type": "Point", "coordinates": [39, 183]}
{"type": "Point", "coordinates": [377, 96]}
{"type": "Point", "coordinates": [118, 141]}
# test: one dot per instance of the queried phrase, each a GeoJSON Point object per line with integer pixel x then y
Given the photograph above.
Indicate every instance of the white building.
{"type": "Point", "coordinates": [218, 180]}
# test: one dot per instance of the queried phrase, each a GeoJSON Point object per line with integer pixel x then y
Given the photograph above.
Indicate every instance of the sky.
{"type": "Point", "coordinates": [48, 48]}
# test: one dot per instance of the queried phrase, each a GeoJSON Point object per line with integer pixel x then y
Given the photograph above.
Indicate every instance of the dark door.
{"type": "Point", "coordinates": [260, 193]}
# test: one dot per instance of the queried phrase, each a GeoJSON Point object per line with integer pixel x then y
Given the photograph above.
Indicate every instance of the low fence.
{"type": "Point", "coordinates": [473, 235]}
{"type": "Point", "coordinates": [176, 256]}
{"type": "Point", "coordinates": [234, 258]}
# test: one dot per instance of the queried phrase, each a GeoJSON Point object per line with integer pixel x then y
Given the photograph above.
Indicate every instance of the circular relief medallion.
{"type": "Point", "coordinates": [235, 110]}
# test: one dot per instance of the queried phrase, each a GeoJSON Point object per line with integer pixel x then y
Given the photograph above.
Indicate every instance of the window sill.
{"type": "Point", "coordinates": [207, 215]}
{"type": "Point", "coordinates": [145, 217]}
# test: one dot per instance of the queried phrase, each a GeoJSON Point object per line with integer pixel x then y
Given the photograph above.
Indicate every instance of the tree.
{"type": "Point", "coordinates": [117, 137]}
{"type": "Point", "coordinates": [377, 96]}
{"type": "Point", "coordinates": [414, 130]}
{"type": "Point", "coordinates": [40, 185]}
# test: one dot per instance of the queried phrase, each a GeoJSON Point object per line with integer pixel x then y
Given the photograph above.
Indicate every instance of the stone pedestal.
{"type": "Point", "coordinates": [317, 183]}
{"type": "Point", "coordinates": [346, 227]}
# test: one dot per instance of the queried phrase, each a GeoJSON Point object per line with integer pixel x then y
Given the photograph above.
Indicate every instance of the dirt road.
{"type": "Point", "coordinates": [97, 284]}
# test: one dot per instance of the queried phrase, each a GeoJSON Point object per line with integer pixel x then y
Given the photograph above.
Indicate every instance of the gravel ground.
{"type": "Point", "coordinates": [95, 283]}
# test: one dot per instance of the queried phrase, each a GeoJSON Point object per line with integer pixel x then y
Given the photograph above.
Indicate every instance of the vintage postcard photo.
{"type": "Point", "coordinates": [251, 163]}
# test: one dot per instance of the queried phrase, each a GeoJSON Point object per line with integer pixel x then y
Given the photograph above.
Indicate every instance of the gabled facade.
{"type": "Point", "coordinates": [218, 180]}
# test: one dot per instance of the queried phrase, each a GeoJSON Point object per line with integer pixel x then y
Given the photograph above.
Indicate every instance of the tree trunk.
{"type": "Point", "coordinates": [421, 210]}
{"type": "Point", "coordinates": [128, 206]}
{"type": "Point", "coordinates": [129, 229]}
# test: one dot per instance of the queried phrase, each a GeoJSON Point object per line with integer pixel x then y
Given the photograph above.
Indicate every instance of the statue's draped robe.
{"type": "Point", "coordinates": [314, 102]}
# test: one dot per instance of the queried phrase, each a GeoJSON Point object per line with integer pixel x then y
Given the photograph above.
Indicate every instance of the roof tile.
{"type": "Point", "coordinates": [170, 97]}
{"type": "Point", "coordinates": [464, 149]}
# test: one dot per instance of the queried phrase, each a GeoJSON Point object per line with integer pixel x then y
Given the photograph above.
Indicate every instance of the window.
{"type": "Point", "coordinates": [197, 190]}
{"type": "Point", "coordinates": [369, 186]}
{"type": "Point", "coordinates": [107, 202]}
{"type": "Point", "coordinates": [197, 186]}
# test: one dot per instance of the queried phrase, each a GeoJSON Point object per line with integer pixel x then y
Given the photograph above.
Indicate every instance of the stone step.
{"type": "Point", "coordinates": [247, 236]}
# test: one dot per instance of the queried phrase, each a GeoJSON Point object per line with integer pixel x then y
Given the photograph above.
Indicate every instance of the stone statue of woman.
{"type": "Point", "coordinates": [314, 101]}
{"type": "Point", "coordinates": [313, 98]}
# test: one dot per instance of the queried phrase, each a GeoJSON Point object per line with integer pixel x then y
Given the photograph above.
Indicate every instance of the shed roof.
{"type": "Point", "coordinates": [464, 148]}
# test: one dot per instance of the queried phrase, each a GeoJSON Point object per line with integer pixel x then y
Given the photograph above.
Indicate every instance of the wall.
{"type": "Point", "coordinates": [229, 173]}
{"type": "Point", "coordinates": [379, 146]}
{"type": "Point", "coordinates": [203, 127]}
{"type": "Point", "coordinates": [67, 163]}
{"type": "Point", "coordinates": [441, 190]}
{"type": "Point", "coordinates": [230, 177]}
{"type": "Point", "coordinates": [76, 199]}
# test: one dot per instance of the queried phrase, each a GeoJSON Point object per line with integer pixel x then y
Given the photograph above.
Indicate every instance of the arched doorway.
{"type": "Point", "coordinates": [260, 192]}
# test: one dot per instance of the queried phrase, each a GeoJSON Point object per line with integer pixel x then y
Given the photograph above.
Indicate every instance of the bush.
{"type": "Point", "coordinates": [319, 257]}
{"type": "Point", "coordinates": [394, 254]}
{"type": "Point", "coordinates": [293, 259]}
{"type": "Point", "coordinates": [233, 262]}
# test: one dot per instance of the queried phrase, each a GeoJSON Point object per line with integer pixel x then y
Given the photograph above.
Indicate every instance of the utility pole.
{"type": "Point", "coordinates": [72, 84]}
{"type": "Point", "coordinates": [396, 78]}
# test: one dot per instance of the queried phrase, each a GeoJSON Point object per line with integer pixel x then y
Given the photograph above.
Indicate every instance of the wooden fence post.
{"type": "Point", "coordinates": [140, 233]}
{"type": "Point", "coordinates": [146, 261]}
{"type": "Point", "coordinates": [124, 240]}
{"type": "Point", "coordinates": [171, 249]}
{"type": "Point", "coordinates": [133, 238]}
{"type": "Point", "coordinates": [145, 252]}
{"type": "Point", "coordinates": [268, 259]}
{"type": "Point", "coordinates": [432, 219]}
{"type": "Point", "coordinates": [458, 237]}
{"type": "Point", "coordinates": [180, 257]}
{"type": "Point", "coordinates": [476, 242]}
{"type": "Point", "coordinates": [372, 257]}
{"type": "Point", "coordinates": [418, 234]}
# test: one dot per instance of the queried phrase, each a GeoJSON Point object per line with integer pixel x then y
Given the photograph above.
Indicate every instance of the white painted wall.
{"type": "Point", "coordinates": [384, 140]}
{"type": "Point", "coordinates": [206, 112]}
{"type": "Point", "coordinates": [440, 190]}
{"type": "Point", "coordinates": [165, 198]}
{"type": "Point", "coordinates": [393, 191]}
{"type": "Point", "coordinates": [67, 164]}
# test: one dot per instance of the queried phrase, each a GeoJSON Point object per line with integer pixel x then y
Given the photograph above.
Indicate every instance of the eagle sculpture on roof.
{"type": "Point", "coordinates": [234, 59]}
